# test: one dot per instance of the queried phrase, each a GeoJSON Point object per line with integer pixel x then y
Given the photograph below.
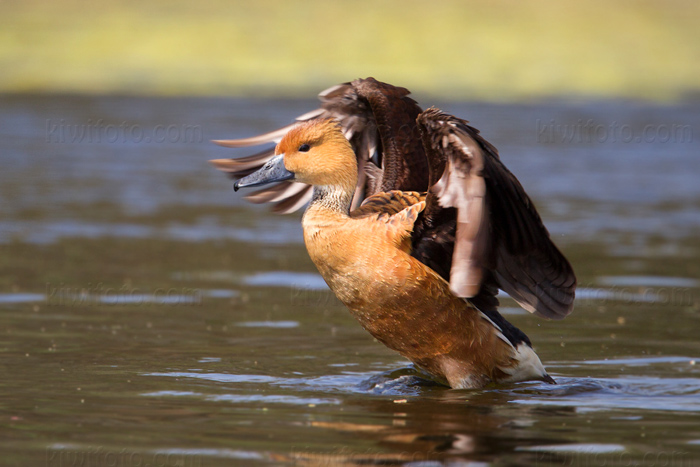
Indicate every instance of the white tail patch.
{"type": "Point", "coordinates": [528, 366]}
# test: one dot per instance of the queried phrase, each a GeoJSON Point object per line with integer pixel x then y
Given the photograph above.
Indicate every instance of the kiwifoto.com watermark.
{"type": "Point", "coordinates": [589, 131]}
{"type": "Point", "coordinates": [99, 294]}
{"type": "Point", "coordinates": [100, 132]}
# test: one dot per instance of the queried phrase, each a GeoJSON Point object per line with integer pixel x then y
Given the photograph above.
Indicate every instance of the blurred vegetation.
{"type": "Point", "coordinates": [485, 50]}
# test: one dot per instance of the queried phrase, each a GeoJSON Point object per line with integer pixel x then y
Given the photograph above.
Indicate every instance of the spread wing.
{"type": "Point", "coordinates": [499, 238]}
{"type": "Point", "coordinates": [362, 107]}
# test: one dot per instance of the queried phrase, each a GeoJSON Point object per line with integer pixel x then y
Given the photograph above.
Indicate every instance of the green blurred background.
{"type": "Point", "coordinates": [494, 50]}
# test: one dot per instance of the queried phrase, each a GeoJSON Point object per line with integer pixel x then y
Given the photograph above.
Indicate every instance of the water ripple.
{"type": "Point", "coordinates": [640, 393]}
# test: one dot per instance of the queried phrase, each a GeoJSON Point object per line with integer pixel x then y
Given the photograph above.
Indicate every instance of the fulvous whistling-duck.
{"type": "Point", "coordinates": [415, 223]}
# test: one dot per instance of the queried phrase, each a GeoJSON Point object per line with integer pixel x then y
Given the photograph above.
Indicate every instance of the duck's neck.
{"type": "Point", "coordinates": [332, 198]}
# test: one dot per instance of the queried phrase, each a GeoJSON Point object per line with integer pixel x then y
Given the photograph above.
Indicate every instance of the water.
{"type": "Point", "coordinates": [149, 316]}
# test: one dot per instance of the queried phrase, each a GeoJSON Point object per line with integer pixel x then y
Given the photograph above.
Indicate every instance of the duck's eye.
{"type": "Point", "coordinates": [304, 148]}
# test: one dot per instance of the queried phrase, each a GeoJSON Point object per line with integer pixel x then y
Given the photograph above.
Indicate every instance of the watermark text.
{"type": "Point", "coordinates": [589, 131]}
{"type": "Point", "coordinates": [99, 294]}
{"type": "Point", "coordinates": [100, 132]}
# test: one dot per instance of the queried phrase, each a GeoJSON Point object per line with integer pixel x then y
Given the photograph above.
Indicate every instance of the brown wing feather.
{"type": "Point", "coordinates": [271, 137]}
{"type": "Point", "coordinates": [391, 202]}
{"type": "Point", "coordinates": [403, 160]}
{"type": "Point", "coordinates": [294, 202]}
{"type": "Point", "coordinates": [500, 239]}
{"type": "Point", "coordinates": [245, 165]}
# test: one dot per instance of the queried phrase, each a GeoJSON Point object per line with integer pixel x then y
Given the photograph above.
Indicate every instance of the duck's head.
{"type": "Point", "coordinates": [314, 152]}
